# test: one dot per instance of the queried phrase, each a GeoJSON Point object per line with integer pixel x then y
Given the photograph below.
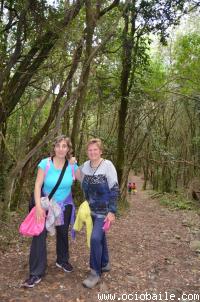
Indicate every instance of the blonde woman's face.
{"type": "Point", "coordinates": [93, 152]}
{"type": "Point", "coordinates": [61, 149]}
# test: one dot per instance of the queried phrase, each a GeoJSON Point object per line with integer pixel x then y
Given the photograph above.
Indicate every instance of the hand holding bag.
{"type": "Point", "coordinates": [106, 225]}
{"type": "Point", "coordinates": [30, 227]}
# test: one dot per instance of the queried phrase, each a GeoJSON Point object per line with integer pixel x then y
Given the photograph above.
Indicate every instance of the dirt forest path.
{"type": "Point", "coordinates": [150, 252]}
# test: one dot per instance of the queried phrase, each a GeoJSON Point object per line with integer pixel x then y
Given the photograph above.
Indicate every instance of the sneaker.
{"type": "Point", "coordinates": [67, 267]}
{"type": "Point", "coordinates": [105, 268]}
{"type": "Point", "coordinates": [91, 280]}
{"type": "Point", "coordinates": [31, 281]}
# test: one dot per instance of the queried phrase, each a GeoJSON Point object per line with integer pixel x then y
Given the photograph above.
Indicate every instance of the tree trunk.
{"type": "Point", "coordinates": [127, 46]}
{"type": "Point", "coordinates": [93, 13]}
{"type": "Point", "coordinates": [56, 103]}
{"type": "Point", "coordinates": [14, 89]}
{"type": "Point", "coordinates": [91, 23]}
{"type": "Point", "coordinates": [3, 160]}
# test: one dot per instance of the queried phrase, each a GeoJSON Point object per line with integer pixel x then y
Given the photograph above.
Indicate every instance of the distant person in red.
{"type": "Point", "coordinates": [129, 187]}
{"type": "Point", "coordinates": [133, 188]}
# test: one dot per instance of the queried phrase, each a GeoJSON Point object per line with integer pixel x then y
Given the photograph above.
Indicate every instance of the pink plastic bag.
{"type": "Point", "coordinates": [30, 227]}
{"type": "Point", "coordinates": [106, 225]}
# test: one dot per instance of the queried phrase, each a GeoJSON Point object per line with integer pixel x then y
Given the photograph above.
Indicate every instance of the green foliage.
{"type": "Point", "coordinates": [172, 150]}
{"type": "Point", "coordinates": [177, 201]}
{"type": "Point", "coordinates": [159, 15]}
{"type": "Point", "coordinates": [187, 62]}
{"type": "Point", "coordinates": [154, 79]}
{"type": "Point", "coordinates": [153, 106]}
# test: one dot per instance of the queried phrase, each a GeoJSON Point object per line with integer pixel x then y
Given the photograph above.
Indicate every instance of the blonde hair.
{"type": "Point", "coordinates": [96, 141]}
{"type": "Point", "coordinates": [60, 138]}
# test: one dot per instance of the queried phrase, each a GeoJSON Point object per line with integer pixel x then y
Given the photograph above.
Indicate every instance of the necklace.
{"type": "Point", "coordinates": [95, 168]}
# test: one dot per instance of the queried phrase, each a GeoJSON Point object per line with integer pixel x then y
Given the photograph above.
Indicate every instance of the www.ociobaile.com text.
{"type": "Point", "coordinates": [166, 296]}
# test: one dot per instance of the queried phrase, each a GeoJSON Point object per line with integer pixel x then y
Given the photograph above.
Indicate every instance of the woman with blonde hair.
{"type": "Point", "coordinates": [100, 185]}
{"type": "Point", "coordinates": [45, 184]}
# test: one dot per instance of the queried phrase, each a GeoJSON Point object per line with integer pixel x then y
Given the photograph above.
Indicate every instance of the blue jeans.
{"type": "Point", "coordinates": [98, 250]}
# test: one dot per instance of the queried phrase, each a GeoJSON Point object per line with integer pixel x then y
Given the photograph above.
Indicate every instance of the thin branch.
{"type": "Point", "coordinates": [165, 162]}
{"type": "Point", "coordinates": [107, 9]}
{"type": "Point", "coordinates": [182, 95]}
{"type": "Point", "coordinates": [7, 147]}
{"type": "Point", "coordinates": [21, 107]}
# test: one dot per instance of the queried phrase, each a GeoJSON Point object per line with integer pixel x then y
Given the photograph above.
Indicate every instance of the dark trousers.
{"type": "Point", "coordinates": [38, 251]}
{"type": "Point", "coordinates": [98, 250]}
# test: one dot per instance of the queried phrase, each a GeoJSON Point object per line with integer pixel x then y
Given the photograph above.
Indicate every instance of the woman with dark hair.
{"type": "Point", "coordinates": [44, 184]}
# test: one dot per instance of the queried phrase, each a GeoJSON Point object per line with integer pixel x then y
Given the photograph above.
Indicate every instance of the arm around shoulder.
{"type": "Point", "coordinates": [78, 174]}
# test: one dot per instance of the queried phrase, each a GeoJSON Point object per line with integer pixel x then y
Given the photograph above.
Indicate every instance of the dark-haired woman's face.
{"type": "Point", "coordinates": [61, 149]}
{"type": "Point", "coordinates": [94, 152]}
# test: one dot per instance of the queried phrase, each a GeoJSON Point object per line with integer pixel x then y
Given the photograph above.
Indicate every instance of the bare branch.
{"type": "Point", "coordinates": [7, 147]}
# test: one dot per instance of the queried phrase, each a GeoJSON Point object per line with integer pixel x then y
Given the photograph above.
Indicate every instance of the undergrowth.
{"type": "Point", "coordinates": [177, 201]}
